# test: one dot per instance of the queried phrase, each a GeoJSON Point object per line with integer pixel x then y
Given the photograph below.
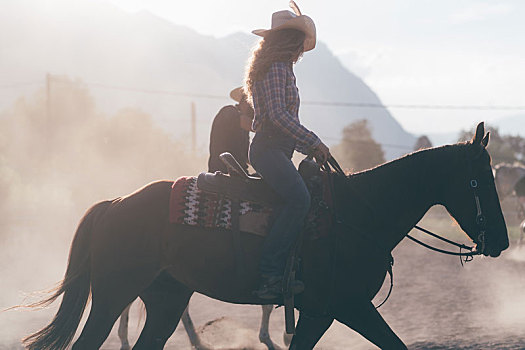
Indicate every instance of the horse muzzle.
{"type": "Point", "coordinates": [491, 248]}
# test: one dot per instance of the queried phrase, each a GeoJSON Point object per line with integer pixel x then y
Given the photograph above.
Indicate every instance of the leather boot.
{"type": "Point", "coordinates": [271, 287]}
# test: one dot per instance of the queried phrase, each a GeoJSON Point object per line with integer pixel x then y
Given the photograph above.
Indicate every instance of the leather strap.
{"type": "Point", "coordinates": [236, 239]}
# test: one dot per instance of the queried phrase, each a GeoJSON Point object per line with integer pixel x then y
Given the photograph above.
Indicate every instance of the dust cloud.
{"type": "Point", "coordinates": [59, 156]}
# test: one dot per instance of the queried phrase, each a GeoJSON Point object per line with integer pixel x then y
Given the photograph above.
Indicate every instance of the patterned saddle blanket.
{"type": "Point", "coordinates": [189, 205]}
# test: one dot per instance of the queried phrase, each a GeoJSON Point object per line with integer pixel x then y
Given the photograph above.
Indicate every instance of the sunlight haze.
{"type": "Point", "coordinates": [99, 98]}
{"type": "Point", "coordinates": [410, 52]}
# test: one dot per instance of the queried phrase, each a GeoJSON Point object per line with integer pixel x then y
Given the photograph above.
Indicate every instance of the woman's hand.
{"type": "Point", "coordinates": [321, 154]}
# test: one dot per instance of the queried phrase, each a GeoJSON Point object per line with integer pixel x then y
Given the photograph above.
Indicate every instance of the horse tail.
{"type": "Point", "coordinates": [75, 286]}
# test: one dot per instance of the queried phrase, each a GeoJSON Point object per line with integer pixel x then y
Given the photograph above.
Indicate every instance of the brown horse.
{"type": "Point", "coordinates": [126, 248]}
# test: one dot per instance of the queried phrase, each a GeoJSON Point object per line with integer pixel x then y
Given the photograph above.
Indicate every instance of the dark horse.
{"type": "Point", "coordinates": [126, 248]}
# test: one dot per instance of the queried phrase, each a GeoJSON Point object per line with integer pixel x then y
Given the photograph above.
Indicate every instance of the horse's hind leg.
{"type": "Point", "coordinates": [105, 310]}
{"type": "Point", "coordinates": [309, 330]}
{"type": "Point", "coordinates": [264, 334]}
{"type": "Point", "coordinates": [123, 329]}
{"type": "Point", "coordinates": [111, 294]}
{"type": "Point", "coordinates": [165, 300]}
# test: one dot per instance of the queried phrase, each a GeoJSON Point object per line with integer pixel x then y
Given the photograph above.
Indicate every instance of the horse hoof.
{"type": "Point", "coordinates": [287, 338]}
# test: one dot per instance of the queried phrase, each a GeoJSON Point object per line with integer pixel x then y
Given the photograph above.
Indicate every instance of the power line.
{"type": "Point", "coordinates": [388, 145]}
{"type": "Point", "coordinates": [413, 106]}
{"type": "Point", "coordinates": [148, 91]}
{"type": "Point", "coordinates": [314, 103]}
{"type": "Point", "coordinates": [320, 103]}
{"type": "Point", "coordinates": [21, 84]}
{"type": "Point", "coordinates": [209, 96]}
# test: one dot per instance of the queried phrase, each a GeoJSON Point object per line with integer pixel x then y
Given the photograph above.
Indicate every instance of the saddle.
{"type": "Point", "coordinates": [238, 186]}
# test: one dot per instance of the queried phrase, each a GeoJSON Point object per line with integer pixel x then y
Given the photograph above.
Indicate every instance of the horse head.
{"type": "Point", "coordinates": [471, 197]}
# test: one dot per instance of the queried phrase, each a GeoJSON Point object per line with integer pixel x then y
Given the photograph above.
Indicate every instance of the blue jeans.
{"type": "Point", "coordinates": [271, 157]}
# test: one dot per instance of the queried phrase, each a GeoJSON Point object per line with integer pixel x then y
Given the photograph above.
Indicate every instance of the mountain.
{"type": "Point", "coordinates": [131, 60]}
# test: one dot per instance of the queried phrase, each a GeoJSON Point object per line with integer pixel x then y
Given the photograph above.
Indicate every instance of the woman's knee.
{"type": "Point", "coordinates": [300, 198]}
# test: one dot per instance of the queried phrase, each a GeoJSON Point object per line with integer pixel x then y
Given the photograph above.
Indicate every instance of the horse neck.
{"type": "Point", "coordinates": [389, 200]}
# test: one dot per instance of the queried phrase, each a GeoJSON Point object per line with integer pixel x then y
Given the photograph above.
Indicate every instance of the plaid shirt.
{"type": "Point", "coordinates": [276, 100]}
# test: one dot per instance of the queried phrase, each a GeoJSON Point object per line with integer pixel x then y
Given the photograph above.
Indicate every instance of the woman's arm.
{"type": "Point", "coordinates": [274, 88]}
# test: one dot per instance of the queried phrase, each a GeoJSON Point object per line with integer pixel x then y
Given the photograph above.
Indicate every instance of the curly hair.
{"type": "Point", "coordinates": [285, 45]}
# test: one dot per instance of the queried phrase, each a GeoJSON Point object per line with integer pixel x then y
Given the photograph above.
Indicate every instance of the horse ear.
{"type": "Point", "coordinates": [485, 140]}
{"type": "Point", "coordinates": [480, 131]}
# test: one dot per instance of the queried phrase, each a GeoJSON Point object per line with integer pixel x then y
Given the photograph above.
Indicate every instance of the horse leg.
{"type": "Point", "coordinates": [165, 300]}
{"type": "Point", "coordinates": [264, 334]}
{"type": "Point", "coordinates": [309, 330]}
{"type": "Point", "coordinates": [111, 292]}
{"type": "Point", "coordinates": [123, 329]}
{"type": "Point", "coordinates": [190, 330]}
{"type": "Point", "coordinates": [105, 310]}
{"type": "Point", "coordinates": [287, 338]}
{"type": "Point", "coordinates": [366, 320]}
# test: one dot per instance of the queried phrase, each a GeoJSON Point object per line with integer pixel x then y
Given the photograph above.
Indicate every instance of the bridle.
{"type": "Point", "coordinates": [480, 217]}
{"type": "Point", "coordinates": [480, 223]}
{"type": "Point", "coordinates": [471, 252]}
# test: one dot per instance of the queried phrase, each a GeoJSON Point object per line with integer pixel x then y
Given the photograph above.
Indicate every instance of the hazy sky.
{"type": "Point", "coordinates": [447, 52]}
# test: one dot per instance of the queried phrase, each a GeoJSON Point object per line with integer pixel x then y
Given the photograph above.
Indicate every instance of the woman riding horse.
{"type": "Point", "coordinates": [270, 86]}
{"type": "Point", "coordinates": [122, 245]}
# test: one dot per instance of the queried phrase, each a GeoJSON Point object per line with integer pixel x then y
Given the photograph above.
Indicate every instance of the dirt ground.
{"type": "Point", "coordinates": [436, 304]}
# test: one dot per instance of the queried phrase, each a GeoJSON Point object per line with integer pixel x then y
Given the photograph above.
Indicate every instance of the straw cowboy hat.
{"type": "Point", "coordinates": [237, 94]}
{"type": "Point", "coordinates": [287, 19]}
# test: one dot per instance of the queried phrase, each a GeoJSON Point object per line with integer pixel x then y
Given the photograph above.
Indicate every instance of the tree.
{"type": "Point", "coordinates": [68, 158]}
{"type": "Point", "coordinates": [502, 148]}
{"type": "Point", "coordinates": [422, 142]}
{"type": "Point", "coordinates": [358, 150]}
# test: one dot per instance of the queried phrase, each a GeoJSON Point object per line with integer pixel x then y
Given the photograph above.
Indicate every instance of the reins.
{"type": "Point", "coordinates": [333, 163]}
{"type": "Point", "coordinates": [469, 255]}
{"type": "Point", "coordinates": [480, 221]}
{"type": "Point", "coordinates": [471, 252]}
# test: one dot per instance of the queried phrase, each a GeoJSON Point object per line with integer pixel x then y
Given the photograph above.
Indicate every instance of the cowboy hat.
{"type": "Point", "coordinates": [290, 20]}
{"type": "Point", "coordinates": [237, 94]}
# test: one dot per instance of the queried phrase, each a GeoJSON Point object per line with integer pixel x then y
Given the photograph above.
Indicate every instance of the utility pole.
{"type": "Point", "coordinates": [193, 129]}
{"type": "Point", "coordinates": [47, 121]}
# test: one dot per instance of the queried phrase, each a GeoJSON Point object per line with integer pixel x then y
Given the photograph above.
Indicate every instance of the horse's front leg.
{"type": "Point", "coordinates": [364, 318]}
{"type": "Point", "coordinates": [309, 330]}
{"type": "Point", "coordinates": [195, 340]}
